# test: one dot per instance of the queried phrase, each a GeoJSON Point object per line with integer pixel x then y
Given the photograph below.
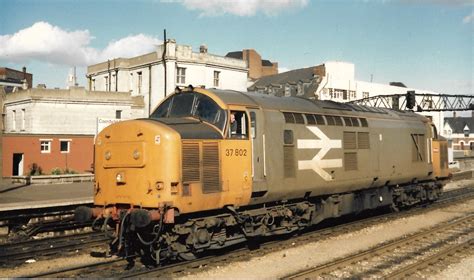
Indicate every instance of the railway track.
{"type": "Point", "coordinates": [117, 268]}
{"type": "Point", "coordinates": [24, 224]}
{"type": "Point", "coordinates": [400, 258]}
{"type": "Point", "coordinates": [13, 254]}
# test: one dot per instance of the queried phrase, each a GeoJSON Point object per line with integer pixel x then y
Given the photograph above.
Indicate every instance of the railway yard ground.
{"type": "Point", "coordinates": [299, 256]}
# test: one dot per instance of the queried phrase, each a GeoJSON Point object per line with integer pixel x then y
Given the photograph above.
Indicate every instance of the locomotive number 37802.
{"type": "Point", "coordinates": [236, 152]}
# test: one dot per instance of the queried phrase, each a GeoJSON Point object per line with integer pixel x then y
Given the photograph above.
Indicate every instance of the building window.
{"type": "Point", "coordinates": [352, 94]}
{"type": "Point", "coordinates": [65, 146]}
{"type": "Point", "coordinates": [93, 84]}
{"type": "Point", "coordinates": [22, 119]}
{"type": "Point", "coordinates": [13, 120]}
{"type": "Point", "coordinates": [181, 75]}
{"type": "Point", "coordinates": [106, 78]}
{"type": "Point", "coordinates": [139, 85]}
{"type": "Point", "coordinates": [45, 145]}
{"type": "Point", "coordinates": [287, 90]}
{"type": "Point", "coordinates": [365, 94]}
{"type": "Point", "coordinates": [114, 85]}
{"type": "Point", "coordinates": [118, 114]}
{"type": "Point", "coordinates": [216, 78]}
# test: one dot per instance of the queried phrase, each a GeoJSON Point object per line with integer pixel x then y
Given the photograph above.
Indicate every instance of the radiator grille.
{"type": "Point", "coordinates": [289, 161]}
{"type": "Point", "coordinates": [210, 167]}
{"type": "Point", "coordinates": [190, 157]}
{"type": "Point", "coordinates": [350, 161]}
{"type": "Point", "coordinates": [349, 140]}
{"type": "Point", "coordinates": [363, 140]}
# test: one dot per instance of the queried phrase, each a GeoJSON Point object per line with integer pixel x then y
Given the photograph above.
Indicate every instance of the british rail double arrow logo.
{"type": "Point", "coordinates": [317, 164]}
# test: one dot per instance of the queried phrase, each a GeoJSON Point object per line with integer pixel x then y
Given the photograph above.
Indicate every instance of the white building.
{"type": "Point", "coordinates": [72, 111]}
{"type": "Point", "coordinates": [145, 75]}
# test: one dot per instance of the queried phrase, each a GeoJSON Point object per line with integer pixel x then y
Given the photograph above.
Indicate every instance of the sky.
{"type": "Point", "coordinates": [426, 44]}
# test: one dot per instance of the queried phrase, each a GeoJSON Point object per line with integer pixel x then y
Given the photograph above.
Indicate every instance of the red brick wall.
{"type": "Point", "coordinates": [79, 158]}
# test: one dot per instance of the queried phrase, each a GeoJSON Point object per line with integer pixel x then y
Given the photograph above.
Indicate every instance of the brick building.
{"type": "Point", "coordinates": [11, 79]}
{"type": "Point", "coordinates": [257, 66]}
{"type": "Point", "coordinates": [55, 128]}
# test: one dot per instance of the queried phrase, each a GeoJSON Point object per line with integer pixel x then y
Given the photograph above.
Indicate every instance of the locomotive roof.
{"type": "Point", "coordinates": [300, 104]}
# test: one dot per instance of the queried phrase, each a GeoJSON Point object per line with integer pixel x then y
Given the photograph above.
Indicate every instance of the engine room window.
{"type": "Point", "coordinates": [289, 118]}
{"type": "Point", "coordinates": [298, 118]}
{"type": "Point", "coordinates": [330, 120]}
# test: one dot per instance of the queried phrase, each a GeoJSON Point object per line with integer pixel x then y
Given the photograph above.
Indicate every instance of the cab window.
{"type": "Point", "coordinates": [193, 105]}
{"type": "Point", "coordinates": [238, 125]}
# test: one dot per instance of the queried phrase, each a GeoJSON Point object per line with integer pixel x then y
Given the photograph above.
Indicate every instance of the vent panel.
{"type": "Point", "coordinates": [350, 161]}
{"type": "Point", "coordinates": [190, 159]}
{"type": "Point", "coordinates": [210, 167]}
{"type": "Point", "coordinates": [289, 161]}
{"type": "Point", "coordinates": [349, 139]}
{"type": "Point", "coordinates": [363, 140]}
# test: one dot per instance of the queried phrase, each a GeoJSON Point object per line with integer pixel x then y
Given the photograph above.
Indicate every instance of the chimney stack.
{"type": "Point", "coordinates": [203, 48]}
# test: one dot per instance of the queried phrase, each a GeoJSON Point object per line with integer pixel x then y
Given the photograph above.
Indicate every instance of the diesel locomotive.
{"type": "Point", "coordinates": [191, 178]}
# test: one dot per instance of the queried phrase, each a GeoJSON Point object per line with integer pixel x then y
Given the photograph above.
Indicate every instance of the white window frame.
{"type": "Point", "coordinates": [23, 121]}
{"type": "Point", "coordinates": [46, 143]}
{"type": "Point", "coordinates": [106, 79]}
{"type": "Point", "coordinates": [13, 120]}
{"type": "Point", "coordinates": [140, 82]}
{"type": "Point", "coordinates": [68, 141]}
{"type": "Point", "coordinates": [181, 75]}
{"type": "Point", "coordinates": [216, 78]}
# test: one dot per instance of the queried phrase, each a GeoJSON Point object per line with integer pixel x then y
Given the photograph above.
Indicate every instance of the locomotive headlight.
{"type": "Point", "coordinates": [120, 178]}
{"type": "Point", "coordinates": [136, 154]}
{"type": "Point", "coordinates": [108, 155]}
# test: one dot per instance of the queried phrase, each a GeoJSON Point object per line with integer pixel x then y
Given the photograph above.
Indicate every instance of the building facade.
{"type": "Point", "coordinates": [157, 74]}
{"type": "Point", "coordinates": [55, 129]}
{"type": "Point", "coordinates": [460, 132]}
{"type": "Point", "coordinates": [257, 66]}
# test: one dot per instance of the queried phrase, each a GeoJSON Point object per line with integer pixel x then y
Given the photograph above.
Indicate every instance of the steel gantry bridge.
{"type": "Point", "coordinates": [420, 102]}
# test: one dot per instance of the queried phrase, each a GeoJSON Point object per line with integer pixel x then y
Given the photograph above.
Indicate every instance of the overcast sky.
{"type": "Point", "coordinates": [426, 44]}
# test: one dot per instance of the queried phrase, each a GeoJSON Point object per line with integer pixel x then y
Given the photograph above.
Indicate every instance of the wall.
{"type": "Point", "coordinates": [79, 159]}
{"type": "Point", "coordinates": [72, 111]}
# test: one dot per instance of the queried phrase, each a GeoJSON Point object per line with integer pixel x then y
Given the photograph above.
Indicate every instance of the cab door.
{"type": "Point", "coordinates": [257, 137]}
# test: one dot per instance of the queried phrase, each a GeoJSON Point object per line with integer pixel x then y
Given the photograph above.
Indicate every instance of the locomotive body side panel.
{"type": "Point", "coordinates": [312, 160]}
